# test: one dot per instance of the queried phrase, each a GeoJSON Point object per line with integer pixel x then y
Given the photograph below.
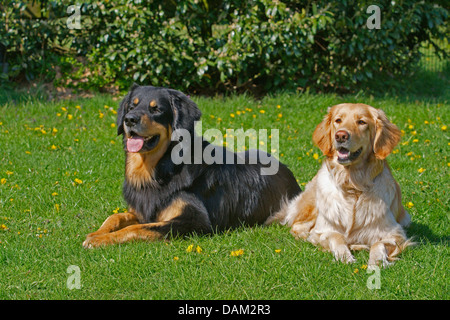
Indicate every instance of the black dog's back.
{"type": "Point", "coordinates": [238, 194]}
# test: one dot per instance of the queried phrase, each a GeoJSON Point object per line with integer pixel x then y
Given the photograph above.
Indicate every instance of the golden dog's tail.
{"type": "Point", "coordinates": [282, 216]}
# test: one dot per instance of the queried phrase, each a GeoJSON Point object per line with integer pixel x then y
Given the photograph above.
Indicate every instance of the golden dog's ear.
{"type": "Point", "coordinates": [387, 135]}
{"type": "Point", "coordinates": [322, 135]}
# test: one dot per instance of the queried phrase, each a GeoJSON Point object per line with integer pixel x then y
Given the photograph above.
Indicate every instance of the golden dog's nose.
{"type": "Point", "coordinates": [342, 136]}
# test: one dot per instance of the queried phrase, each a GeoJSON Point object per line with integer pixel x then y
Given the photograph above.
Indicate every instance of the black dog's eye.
{"type": "Point", "coordinates": [153, 107]}
{"type": "Point", "coordinates": [338, 120]}
{"type": "Point", "coordinates": [361, 122]}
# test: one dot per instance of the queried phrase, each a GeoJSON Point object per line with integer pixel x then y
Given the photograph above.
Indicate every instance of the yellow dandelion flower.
{"type": "Point", "coordinates": [315, 156]}
{"type": "Point", "coordinates": [410, 127]}
{"type": "Point", "coordinates": [280, 115]}
{"type": "Point", "coordinates": [54, 130]}
{"type": "Point", "coordinates": [410, 205]}
{"type": "Point", "coordinates": [232, 115]}
{"type": "Point", "coordinates": [9, 172]}
{"type": "Point", "coordinates": [416, 140]}
{"type": "Point", "coordinates": [113, 125]}
{"type": "Point", "coordinates": [198, 249]}
{"type": "Point", "coordinates": [69, 116]}
{"type": "Point", "coordinates": [54, 194]}
{"type": "Point", "coordinates": [53, 147]}
{"type": "Point", "coordinates": [3, 181]}
{"type": "Point", "coordinates": [395, 151]}
{"type": "Point", "coordinates": [190, 248]}
{"type": "Point", "coordinates": [356, 270]}
{"type": "Point", "coordinates": [364, 266]}
{"type": "Point", "coordinates": [211, 116]}
{"type": "Point", "coordinates": [444, 128]}
{"type": "Point", "coordinates": [238, 113]}
{"type": "Point", "coordinates": [237, 253]}
{"type": "Point", "coordinates": [78, 181]}
{"type": "Point", "coordinates": [426, 122]}
{"type": "Point", "coordinates": [77, 107]}
{"type": "Point", "coordinates": [278, 106]}
{"type": "Point", "coordinates": [63, 109]}
{"type": "Point", "coordinates": [57, 206]}
{"type": "Point", "coordinates": [277, 250]}
{"type": "Point", "coordinates": [176, 258]}
{"type": "Point", "coordinates": [262, 111]}
{"type": "Point", "coordinates": [58, 114]}
{"type": "Point", "coordinates": [101, 115]}
{"type": "Point", "coordinates": [421, 170]}
{"type": "Point", "coordinates": [414, 132]}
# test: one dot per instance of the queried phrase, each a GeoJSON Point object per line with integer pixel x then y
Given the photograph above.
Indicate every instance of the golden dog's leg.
{"type": "Point", "coordinates": [387, 249]}
{"type": "Point", "coordinates": [336, 243]}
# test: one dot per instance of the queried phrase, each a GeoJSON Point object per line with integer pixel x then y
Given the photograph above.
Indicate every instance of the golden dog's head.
{"type": "Point", "coordinates": [350, 133]}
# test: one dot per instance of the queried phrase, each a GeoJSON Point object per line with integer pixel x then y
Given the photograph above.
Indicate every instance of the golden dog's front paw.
{"type": "Point", "coordinates": [343, 254]}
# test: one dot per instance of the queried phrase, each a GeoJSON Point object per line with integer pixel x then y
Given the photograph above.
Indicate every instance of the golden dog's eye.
{"type": "Point", "coordinates": [338, 120]}
{"type": "Point", "coordinates": [361, 122]}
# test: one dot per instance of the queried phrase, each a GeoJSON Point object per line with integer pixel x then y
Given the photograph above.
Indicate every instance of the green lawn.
{"type": "Point", "coordinates": [61, 174]}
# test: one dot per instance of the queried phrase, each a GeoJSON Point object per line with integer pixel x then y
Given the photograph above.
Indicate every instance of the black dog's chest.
{"type": "Point", "coordinates": [145, 202]}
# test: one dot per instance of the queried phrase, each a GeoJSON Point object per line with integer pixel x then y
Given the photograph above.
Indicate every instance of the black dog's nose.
{"type": "Point", "coordinates": [131, 119]}
{"type": "Point", "coordinates": [342, 136]}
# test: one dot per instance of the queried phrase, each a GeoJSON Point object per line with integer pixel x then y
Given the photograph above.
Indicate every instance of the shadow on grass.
{"type": "Point", "coordinates": [422, 233]}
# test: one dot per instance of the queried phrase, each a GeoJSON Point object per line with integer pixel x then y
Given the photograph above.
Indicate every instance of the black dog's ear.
{"type": "Point", "coordinates": [185, 111]}
{"type": "Point", "coordinates": [121, 113]}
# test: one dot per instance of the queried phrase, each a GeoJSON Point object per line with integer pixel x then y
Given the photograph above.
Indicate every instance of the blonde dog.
{"type": "Point", "coordinates": [353, 202]}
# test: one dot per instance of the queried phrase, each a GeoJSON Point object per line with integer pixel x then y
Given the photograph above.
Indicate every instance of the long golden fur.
{"type": "Point", "coordinates": [353, 202]}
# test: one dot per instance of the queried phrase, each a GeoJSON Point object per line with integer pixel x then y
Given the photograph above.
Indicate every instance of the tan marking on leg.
{"type": "Point", "coordinates": [113, 223]}
{"type": "Point", "coordinates": [172, 211]}
{"type": "Point", "coordinates": [133, 232]}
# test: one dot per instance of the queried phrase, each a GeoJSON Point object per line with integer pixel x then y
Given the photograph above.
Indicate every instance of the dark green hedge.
{"type": "Point", "coordinates": [216, 45]}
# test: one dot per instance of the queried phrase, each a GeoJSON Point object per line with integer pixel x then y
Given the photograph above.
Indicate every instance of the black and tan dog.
{"type": "Point", "coordinates": [165, 198]}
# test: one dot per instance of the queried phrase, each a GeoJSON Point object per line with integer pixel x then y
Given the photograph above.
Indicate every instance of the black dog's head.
{"type": "Point", "coordinates": [148, 115]}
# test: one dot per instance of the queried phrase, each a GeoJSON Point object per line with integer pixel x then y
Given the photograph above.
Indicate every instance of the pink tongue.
{"type": "Point", "coordinates": [135, 144]}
